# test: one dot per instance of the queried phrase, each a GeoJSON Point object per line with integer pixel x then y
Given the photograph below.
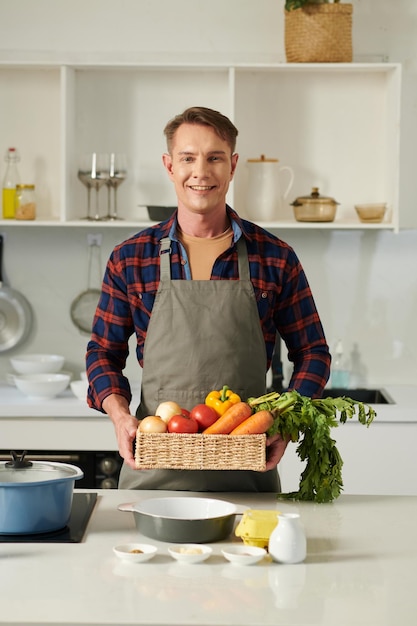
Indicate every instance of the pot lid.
{"type": "Point", "coordinates": [20, 471]}
{"type": "Point", "coordinates": [314, 198]}
{"type": "Point", "coordinates": [262, 159]}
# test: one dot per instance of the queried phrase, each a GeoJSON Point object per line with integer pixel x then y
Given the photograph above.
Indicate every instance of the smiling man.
{"type": "Point", "coordinates": [205, 292]}
{"type": "Point", "coordinates": [201, 165]}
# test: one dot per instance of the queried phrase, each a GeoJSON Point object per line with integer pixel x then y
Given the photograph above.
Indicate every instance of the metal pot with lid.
{"type": "Point", "coordinates": [35, 496]}
{"type": "Point", "coordinates": [314, 208]}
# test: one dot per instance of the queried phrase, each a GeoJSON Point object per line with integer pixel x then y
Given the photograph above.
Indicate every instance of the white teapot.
{"type": "Point", "coordinates": [265, 198]}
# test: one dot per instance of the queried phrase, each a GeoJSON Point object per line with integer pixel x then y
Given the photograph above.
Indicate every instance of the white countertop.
{"type": "Point", "coordinates": [13, 403]}
{"type": "Point", "coordinates": [360, 569]}
{"type": "Point", "coordinates": [61, 423]}
{"type": "Point", "coordinates": [67, 423]}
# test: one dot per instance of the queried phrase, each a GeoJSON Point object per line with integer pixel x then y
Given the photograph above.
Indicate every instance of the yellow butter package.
{"type": "Point", "coordinates": [256, 527]}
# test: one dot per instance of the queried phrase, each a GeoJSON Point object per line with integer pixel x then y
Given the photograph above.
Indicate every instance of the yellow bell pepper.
{"type": "Point", "coordinates": [222, 400]}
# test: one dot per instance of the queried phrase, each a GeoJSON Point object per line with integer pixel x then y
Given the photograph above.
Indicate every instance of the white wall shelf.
{"type": "Point", "coordinates": [282, 225]}
{"type": "Point", "coordinates": [336, 125]}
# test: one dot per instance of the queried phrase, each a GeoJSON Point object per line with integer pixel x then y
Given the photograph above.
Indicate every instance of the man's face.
{"type": "Point", "coordinates": [201, 167]}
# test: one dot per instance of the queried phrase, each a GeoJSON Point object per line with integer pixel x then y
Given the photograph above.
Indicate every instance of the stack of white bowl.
{"type": "Point", "coordinates": [39, 376]}
{"type": "Point", "coordinates": [80, 387]}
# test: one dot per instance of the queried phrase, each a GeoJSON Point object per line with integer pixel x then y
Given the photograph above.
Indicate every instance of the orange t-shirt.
{"type": "Point", "coordinates": [203, 251]}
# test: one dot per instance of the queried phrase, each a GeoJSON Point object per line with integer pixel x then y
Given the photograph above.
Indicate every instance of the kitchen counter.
{"type": "Point", "coordinates": [14, 404]}
{"type": "Point", "coordinates": [67, 424]}
{"type": "Point", "coordinates": [54, 424]}
{"type": "Point", "coordinates": [360, 569]}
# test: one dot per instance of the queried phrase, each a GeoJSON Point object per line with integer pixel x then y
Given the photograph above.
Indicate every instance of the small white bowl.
{"type": "Point", "coordinates": [79, 388]}
{"type": "Point", "coordinates": [190, 552]}
{"type": "Point", "coordinates": [42, 386]}
{"type": "Point", "coordinates": [244, 555]}
{"type": "Point", "coordinates": [135, 552]}
{"type": "Point", "coordinates": [37, 363]}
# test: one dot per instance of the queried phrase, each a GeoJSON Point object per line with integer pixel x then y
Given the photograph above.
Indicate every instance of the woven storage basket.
{"type": "Point", "coordinates": [200, 452]}
{"type": "Point", "coordinates": [319, 33]}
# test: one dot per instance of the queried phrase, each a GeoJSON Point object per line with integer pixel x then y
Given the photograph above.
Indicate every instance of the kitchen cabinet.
{"type": "Point", "coordinates": [378, 460]}
{"type": "Point", "coordinates": [336, 125]}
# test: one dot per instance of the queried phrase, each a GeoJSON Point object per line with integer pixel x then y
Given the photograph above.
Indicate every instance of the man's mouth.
{"type": "Point", "coordinates": [201, 187]}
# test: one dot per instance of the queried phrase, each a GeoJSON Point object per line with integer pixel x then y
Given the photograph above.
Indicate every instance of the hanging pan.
{"type": "Point", "coordinates": [83, 307]}
{"type": "Point", "coordinates": [15, 313]}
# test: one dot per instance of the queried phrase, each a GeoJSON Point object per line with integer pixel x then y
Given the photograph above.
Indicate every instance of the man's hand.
{"type": "Point", "coordinates": [125, 426]}
{"type": "Point", "coordinates": [275, 448]}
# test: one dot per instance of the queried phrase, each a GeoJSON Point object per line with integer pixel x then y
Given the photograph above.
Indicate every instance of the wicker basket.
{"type": "Point", "coordinates": [319, 33]}
{"type": "Point", "coordinates": [200, 452]}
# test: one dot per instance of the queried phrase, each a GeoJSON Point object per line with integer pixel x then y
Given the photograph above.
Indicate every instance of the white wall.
{"type": "Point", "coordinates": [365, 284]}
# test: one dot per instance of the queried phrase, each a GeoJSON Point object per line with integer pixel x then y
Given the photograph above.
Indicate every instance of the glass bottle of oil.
{"type": "Point", "coordinates": [10, 180]}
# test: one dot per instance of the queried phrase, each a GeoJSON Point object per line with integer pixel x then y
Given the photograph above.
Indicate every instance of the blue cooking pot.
{"type": "Point", "coordinates": [35, 496]}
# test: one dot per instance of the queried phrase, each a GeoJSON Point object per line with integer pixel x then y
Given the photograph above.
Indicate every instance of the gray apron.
{"type": "Point", "coordinates": [202, 334]}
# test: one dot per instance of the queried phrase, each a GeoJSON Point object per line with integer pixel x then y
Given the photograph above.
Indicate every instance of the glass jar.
{"type": "Point", "coordinates": [25, 204]}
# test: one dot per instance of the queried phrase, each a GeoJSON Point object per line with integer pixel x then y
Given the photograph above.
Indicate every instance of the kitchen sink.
{"type": "Point", "coordinates": [368, 396]}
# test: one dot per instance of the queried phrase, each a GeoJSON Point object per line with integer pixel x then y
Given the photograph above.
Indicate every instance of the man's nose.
{"type": "Point", "coordinates": [200, 168]}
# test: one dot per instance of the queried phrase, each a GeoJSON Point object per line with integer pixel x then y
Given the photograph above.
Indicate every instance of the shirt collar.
{"type": "Point", "coordinates": [169, 229]}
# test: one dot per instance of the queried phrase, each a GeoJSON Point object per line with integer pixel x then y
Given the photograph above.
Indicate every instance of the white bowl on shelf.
{"type": "Point", "coordinates": [79, 388]}
{"type": "Point", "coordinates": [135, 552]}
{"type": "Point", "coordinates": [42, 386]}
{"type": "Point", "coordinates": [37, 363]}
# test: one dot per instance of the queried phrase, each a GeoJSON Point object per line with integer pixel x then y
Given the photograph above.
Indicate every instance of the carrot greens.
{"type": "Point", "coordinates": [309, 422]}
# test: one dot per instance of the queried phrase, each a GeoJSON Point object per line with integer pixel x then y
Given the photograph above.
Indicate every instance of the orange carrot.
{"type": "Point", "coordinates": [256, 424]}
{"type": "Point", "coordinates": [230, 419]}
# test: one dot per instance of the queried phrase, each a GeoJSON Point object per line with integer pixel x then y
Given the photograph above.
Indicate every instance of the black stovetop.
{"type": "Point", "coordinates": [82, 507]}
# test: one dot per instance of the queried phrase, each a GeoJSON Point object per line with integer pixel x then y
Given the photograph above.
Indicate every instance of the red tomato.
{"type": "Point", "coordinates": [204, 415]}
{"type": "Point", "coordinates": [185, 412]}
{"type": "Point", "coordinates": [182, 424]}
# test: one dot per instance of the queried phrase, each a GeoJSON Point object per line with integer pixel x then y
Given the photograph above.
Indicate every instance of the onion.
{"type": "Point", "coordinates": [168, 409]}
{"type": "Point", "coordinates": [152, 424]}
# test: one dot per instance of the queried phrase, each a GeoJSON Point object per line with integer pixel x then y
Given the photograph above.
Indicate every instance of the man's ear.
{"type": "Point", "coordinates": [235, 158]}
{"type": "Point", "coordinates": [167, 161]}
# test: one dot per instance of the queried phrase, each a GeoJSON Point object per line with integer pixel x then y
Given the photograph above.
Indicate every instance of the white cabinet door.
{"type": "Point", "coordinates": [379, 460]}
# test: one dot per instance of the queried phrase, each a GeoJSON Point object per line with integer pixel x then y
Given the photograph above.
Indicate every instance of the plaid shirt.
{"type": "Point", "coordinates": [284, 300]}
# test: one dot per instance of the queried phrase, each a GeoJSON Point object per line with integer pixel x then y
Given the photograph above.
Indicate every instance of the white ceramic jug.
{"type": "Point", "coordinates": [265, 198]}
{"type": "Point", "coordinates": [287, 543]}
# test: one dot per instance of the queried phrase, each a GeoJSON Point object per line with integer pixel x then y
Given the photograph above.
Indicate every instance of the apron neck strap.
{"type": "Point", "coordinates": [242, 257]}
{"type": "Point", "coordinates": [165, 265]}
{"type": "Point", "coordinates": [164, 254]}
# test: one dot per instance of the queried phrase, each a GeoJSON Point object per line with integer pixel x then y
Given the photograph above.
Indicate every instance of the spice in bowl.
{"type": "Point", "coordinates": [135, 552]}
{"type": "Point", "coordinates": [190, 552]}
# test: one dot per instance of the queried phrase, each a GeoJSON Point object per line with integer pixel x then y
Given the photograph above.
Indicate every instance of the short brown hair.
{"type": "Point", "coordinates": [221, 124]}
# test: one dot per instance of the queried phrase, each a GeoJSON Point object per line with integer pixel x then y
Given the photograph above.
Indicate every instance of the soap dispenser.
{"type": "Point", "coordinates": [340, 374]}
